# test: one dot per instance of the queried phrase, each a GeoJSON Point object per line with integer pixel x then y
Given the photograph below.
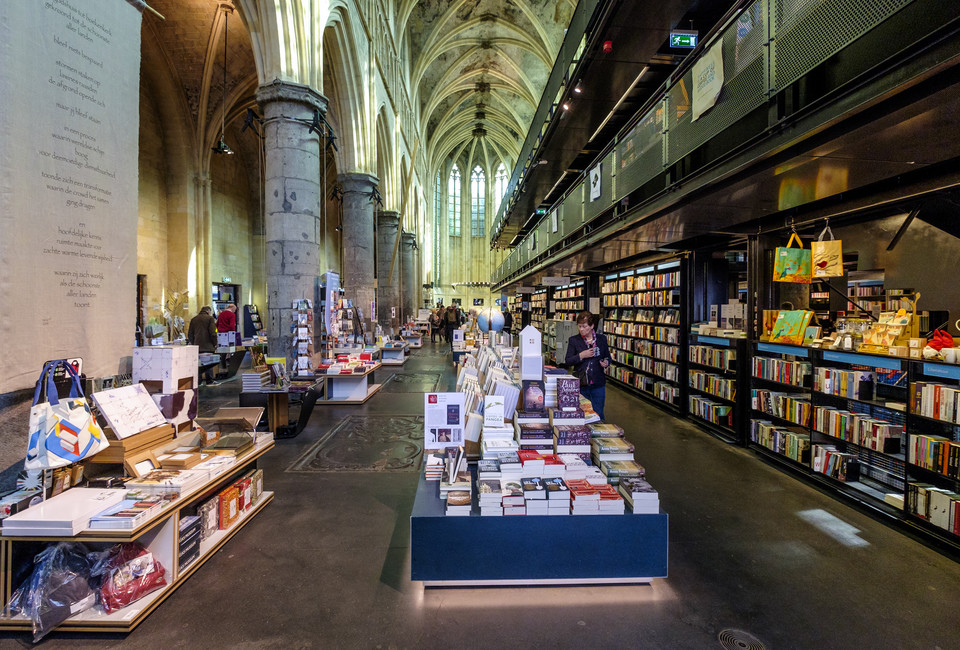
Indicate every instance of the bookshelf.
{"type": "Point", "coordinates": [780, 403]}
{"type": "Point", "coordinates": [859, 414]}
{"type": "Point", "coordinates": [932, 450]}
{"type": "Point", "coordinates": [642, 313]}
{"type": "Point", "coordinates": [568, 301]}
{"type": "Point", "coordinates": [538, 308]}
{"type": "Point", "coordinates": [252, 323]}
{"type": "Point", "coordinates": [716, 370]}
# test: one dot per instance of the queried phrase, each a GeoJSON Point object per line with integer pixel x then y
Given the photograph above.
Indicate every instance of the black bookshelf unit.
{"type": "Point", "coordinates": [643, 317]}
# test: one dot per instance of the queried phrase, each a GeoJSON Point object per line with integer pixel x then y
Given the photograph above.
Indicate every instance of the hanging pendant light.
{"type": "Point", "coordinates": [222, 147]}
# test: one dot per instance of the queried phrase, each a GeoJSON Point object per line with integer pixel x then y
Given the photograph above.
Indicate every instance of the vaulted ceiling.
{"type": "Point", "coordinates": [478, 68]}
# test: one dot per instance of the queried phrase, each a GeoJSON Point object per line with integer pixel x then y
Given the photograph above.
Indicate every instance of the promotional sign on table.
{"type": "Point", "coordinates": [443, 420]}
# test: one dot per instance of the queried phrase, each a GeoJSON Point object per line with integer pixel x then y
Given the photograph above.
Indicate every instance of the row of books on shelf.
{"type": "Point", "coordinates": [858, 428]}
{"type": "Point", "coordinates": [832, 462]}
{"type": "Point", "coordinates": [714, 384]}
{"type": "Point", "coordinates": [652, 316]}
{"type": "Point", "coordinates": [642, 361]}
{"type": "Point", "coordinates": [937, 505]}
{"type": "Point", "coordinates": [659, 298]}
{"type": "Point", "coordinates": [662, 390]}
{"type": "Point", "coordinates": [572, 292]}
{"type": "Point", "coordinates": [706, 409]}
{"type": "Point", "coordinates": [785, 372]}
{"type": "Point", "coordinates": [853, 384]}
{"type": "Point", "coordinates": [569, 305]}
{"type": "Point", "coordinates": [781, 440]}
{"type": "Point", "coordinates": [708, 355]}
{"type": "Point", "coordinates": [652, 332]}
{"type": "Point", "coordinates": [788, 406]}
{"type": "Point", "coordinates": [936, 401]}
{"type": "Point", "coordinates": [935, 453]}
{"type": "Point", "coordinates": [643, 282]}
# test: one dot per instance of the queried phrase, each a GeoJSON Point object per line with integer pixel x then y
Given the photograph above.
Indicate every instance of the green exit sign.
{"type": "Point", "coordinates": [687, 40]}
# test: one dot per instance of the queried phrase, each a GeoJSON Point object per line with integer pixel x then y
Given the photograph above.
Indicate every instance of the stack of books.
{"type": "Point", "coordinates": [558, 496]}
{"type": "Point", "coordinates": [433, 469]}
{"type": "Point", "coordinates": [640, 495]}
{"type": "Point", "coordinates": [617, 470]}
{"type": "Point", "coordinates": [126, 515]}
{"type": "Point", "coordinates": [513, 500]}
{"type": "Point", "coordinates": [584, 497]}
{"type": "Point", "coordinates": [571, 439]}
{"type": "Point", "coordinates": [553, 467]}
{"type": "Point", "coordinates": [610, 503]}
{"type": "Point", "coordinates": [538, 437]}
{"type": "Point", "coordinates": [491, 497]}
{"type": "Point", "coordinates": [511, 469]}
{"type": "Point", "coordinates": [254, 382]}
{"type": "Point", "coordinates": [188, 544]}
{"type": "Point", "coordinates": [459, 502]}
{"type": "Point", "coordinates": [574, 467]}
{"type": "Point", "coordinates": [168, 481]}
{"type": "Point", "coordinates": [532, 463]}
{"type": "Point", "coordinates": [571, 417]}
{"type": "Point", "coordinates": [605, 430]}
{"type": "Point", "coordinates": [535, 495]}
{"type": "Point", "coordinates": [607, 449]}
{"type": "Point", "coordinates": [488, 468]}
{"type": "Point", "coordinates": [590, 416]}
{"type": "Point", "coordinates": [492, 448]}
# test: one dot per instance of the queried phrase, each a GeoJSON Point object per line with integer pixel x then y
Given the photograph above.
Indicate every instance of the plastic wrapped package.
{"type": "Point", "coordinates": [128, 572]}
{"type": "Point", "coordinates": [58, 587]}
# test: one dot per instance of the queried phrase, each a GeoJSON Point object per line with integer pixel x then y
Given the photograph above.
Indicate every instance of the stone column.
{"type": "Point", "coordinates": [408, 276]}
{"type": "Point", "coordinates": [359, 278]}
{"type": "Point", "coordinates": [388, 285]}
{"type": "Point", "coordinates": [293, 194]}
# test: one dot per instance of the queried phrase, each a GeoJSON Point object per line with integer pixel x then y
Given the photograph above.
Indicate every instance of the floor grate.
{"type": "Point", "coordinates": [739, 640]}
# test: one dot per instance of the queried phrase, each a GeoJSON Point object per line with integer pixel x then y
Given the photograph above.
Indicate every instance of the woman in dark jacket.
{"type": "Point", "coordinates": [589, 355]}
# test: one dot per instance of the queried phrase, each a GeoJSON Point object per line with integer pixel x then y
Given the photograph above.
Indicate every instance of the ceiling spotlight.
{"type": "Point", "coordinates": [565, 106]}
{"type": "Point", "coordinates": [577, 89]}
{"type": "Point", "coordinates": [339, 228]}
{"type": "Point", "coordinates": [222, 147]}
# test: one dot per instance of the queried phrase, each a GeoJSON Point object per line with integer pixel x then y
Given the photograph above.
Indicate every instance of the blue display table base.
{"type": "Point", "coordinates": [532, 550]}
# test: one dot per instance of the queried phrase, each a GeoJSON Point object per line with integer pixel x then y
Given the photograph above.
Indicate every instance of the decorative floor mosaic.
{"type": "Point", "coordinates": [413, 382]}
{"type": "Point", "coordinates": [367, 443]}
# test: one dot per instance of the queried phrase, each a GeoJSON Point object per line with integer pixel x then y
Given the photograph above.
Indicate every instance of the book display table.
{"type": "Point", "coordinates": [475, 550]}
{"type": "Point", "coordinates": [414, 341]}
{"type": "Point", "coordinates": [159, 534]}
{"type": "Point", "coordinates": [394, 356]}
{"type": "Point", "coordinates": [355, 388]}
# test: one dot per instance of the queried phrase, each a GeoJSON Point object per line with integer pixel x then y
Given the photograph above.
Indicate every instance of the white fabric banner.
{"type": "Point", "coordinates": [70, 79]}
{"type": "Point", "coordinates": [707, 80]}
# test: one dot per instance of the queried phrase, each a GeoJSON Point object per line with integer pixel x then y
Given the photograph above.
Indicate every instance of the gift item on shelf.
{"type": "Point", "coordinates": [57, 589]}
{"type": "Point", "coordinates": [127, 573]}
{"type": "Point", "coordinates": [61, 431]}
{"type": "Point", "coordinates": [303, 336]}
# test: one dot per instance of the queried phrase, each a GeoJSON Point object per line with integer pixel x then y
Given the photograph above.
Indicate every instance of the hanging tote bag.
{"type": "Point", "coordinates": [792, 264]}
{"type": "Point", "coordinates": [827, 255]}
{"type": "Point", "coordinates": [62, 431]}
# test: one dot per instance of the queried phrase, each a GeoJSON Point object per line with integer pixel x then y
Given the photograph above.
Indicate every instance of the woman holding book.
{"type": "Point", "coordinates": [589, 355]}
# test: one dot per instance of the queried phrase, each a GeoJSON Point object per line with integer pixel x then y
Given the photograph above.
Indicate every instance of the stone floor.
{"type": "Point", "coordinates": [326, 564]}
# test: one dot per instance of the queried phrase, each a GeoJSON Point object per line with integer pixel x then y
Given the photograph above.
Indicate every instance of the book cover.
{"type": "Point", "coordinates": [533, 395]}
{"type": "Point", "coordinates": [533, 488]}
{"type": "Point", "coordinates": [606, 430]}
{"type": "Point", "coordinates": [611, 446]}
{"type": "Point", "coordinates": [568, 393]}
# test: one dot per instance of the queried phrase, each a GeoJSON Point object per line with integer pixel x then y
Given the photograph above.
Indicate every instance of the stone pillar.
{"type": "Point", "coordinates": [408, 275]}
{"type": "Point", "coordinates": [359, 278]}
{"type": "Point", "coordinates": [388, 285]}
{"type": "Point", "coordinates": [293, 194]}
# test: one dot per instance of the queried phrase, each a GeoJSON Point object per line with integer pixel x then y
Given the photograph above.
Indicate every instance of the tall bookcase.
{"type": "Point", "coordinates": [780, 406]}
{"type": "Point", "coordinates": [643, 317]}
{"type": "Point", "coordinates": [933, 450]}
{"type": "Point", "coordinates": [717, 378]}
{"type": "Point", "coordinates": [569, 300]}
{"type": "Point", "coordinates": [538, 309]}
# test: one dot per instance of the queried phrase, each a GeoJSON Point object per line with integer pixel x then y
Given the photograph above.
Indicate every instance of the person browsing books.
{"type": "Point", "coordinates": [589, 355]}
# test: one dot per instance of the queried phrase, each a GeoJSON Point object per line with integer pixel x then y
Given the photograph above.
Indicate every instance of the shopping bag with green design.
{"type": "Point", "coordinates": [792, 264]}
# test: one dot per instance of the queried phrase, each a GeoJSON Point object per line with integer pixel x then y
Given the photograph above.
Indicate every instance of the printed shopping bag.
{"type": "Point", "coordinates": [827, 255]}
{"type": "Point", "coordinates": [62, 431]}
{"type": "Point", "coordinates": [792, 264]}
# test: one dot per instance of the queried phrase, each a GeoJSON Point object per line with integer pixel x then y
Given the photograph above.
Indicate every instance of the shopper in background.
{"type": "Point", "coordinates": [589, 355]}
{"type": "Point", "coordinates": [202, 332]}
{"type": "Point", "coordinates": [507, 320]}
{"type": "Point", "coordinates": [434, 322]}
{"type": "Point", "coordinates": [451, 321]}
{"type": "Point", "coordinates": [227, 319]}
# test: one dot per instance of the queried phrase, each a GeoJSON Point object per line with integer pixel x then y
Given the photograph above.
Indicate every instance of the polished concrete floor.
{"type": "Point", "coordinates": [326, 565]}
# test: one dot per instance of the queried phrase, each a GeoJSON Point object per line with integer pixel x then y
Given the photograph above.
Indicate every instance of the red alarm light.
{"type": "Point", "coordinates": [607, 47]}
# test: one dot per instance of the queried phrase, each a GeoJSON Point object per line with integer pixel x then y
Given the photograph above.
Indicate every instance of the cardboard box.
{"type": "Point", "coordinates": [166, 368]}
